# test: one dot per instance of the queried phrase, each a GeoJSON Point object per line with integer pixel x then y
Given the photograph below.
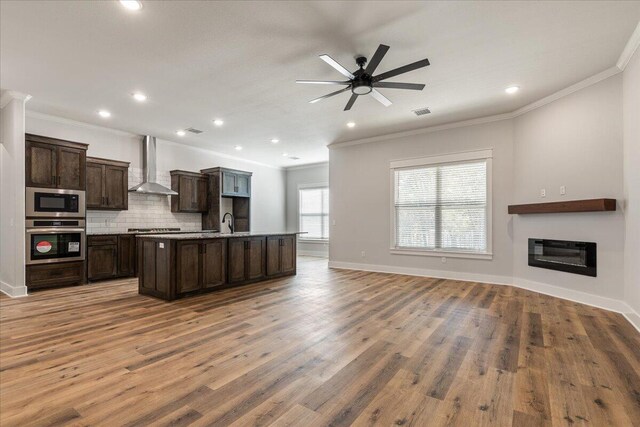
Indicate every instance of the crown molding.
{"type": "Point", "coordinates": [71, 122]}
{"type": "Point", "coordinates": [62, 120]}
{"type": "Point", "coordinates": [9, 95]}
{"type": "Point", "coordinates": [307, 166]}
{"type": "Point", "coordinates": [629, 49]}
{"type": "Point", "coordinates": [589, 81]}
{"type": "Point", "coordinates": [430, 129]}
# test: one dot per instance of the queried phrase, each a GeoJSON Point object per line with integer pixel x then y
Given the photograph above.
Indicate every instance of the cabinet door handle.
{"type": "Point", "coordinates": [53, 179]}
{"type": "Point", "coordinates": [59, 179]}
{"type": "Point", "coordinates": [107, 200]}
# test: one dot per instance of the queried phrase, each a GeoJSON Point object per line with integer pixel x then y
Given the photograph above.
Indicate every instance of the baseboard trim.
{"type": "Point", "coordinates": [410, 271]}
{"type": "Point", "coordinates": [598, 301]}
{"type": "Point", "coordinates": [319, 254]}
{"type": "Point", "coordinates": [13, 291]}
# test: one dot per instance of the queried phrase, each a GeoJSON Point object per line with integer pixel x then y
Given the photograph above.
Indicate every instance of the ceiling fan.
{"type": "Point", "coordinates": [363, 82]}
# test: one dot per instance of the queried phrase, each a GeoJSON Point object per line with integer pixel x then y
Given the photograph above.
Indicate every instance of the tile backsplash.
{"type": "Point", "coordinates": [145, 211]}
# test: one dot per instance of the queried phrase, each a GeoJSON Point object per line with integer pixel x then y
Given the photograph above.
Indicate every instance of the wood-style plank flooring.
{"type": "Point", "coordinates": [326, 347]}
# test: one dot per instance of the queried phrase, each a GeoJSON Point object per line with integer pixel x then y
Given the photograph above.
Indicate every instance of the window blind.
{"type": "Point", "coordinates": [442, 207]}
{"type": "Point", "coordinates": [314, 213]}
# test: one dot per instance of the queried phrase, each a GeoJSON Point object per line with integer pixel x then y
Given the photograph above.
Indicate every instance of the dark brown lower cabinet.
{"type": "Point", "coordinates": [171, 268]}
{"type": "Point", "coordinates": [55, 274]}
{"type": "Point", "coordinates": [102, 261]}
{"type": "Point", "coordinates": [247, 257]}
{"type": "Point", "coordinates": [111, 256]}
{"type": "Point", "coordinates": [154, 272]}
{"type": "Point", "coordinates": [200, 264]}
{"type": "Point", "coordinates": [281, 255]}
{"type": "Point", "coordinates": [214, 263]}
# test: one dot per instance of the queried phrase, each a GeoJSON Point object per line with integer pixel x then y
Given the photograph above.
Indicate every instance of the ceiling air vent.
{"type": "Point", "coordinates": [421, 111]}
{"type": "Point", "coordinates": [194, 130]}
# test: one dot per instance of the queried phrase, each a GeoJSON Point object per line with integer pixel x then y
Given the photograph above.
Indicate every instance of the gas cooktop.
{"type": "Point", "coordinates": [154, 230]}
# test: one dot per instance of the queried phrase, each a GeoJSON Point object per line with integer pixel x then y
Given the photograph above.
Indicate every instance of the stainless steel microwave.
{"type": "Point", "coordinates": [54, 203]}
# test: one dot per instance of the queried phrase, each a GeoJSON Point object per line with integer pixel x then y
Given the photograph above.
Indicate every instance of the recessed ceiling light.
{"type": "Point", "coordinates": [140, 97]}
{"type": "Point", "coordinates": [218, 122]}
{"type": "Point", "coordinates": [285, 154]}
{"type": "Point", "coordinates": [104, 114]}
{"type": "Point", "coordinates": [180, 133]}
{"type": "Point", "coordinates": [512, 89]}
{"type": "Point", "coordinates": [351, 124]}
{"type": "Point", "coordinates": [238, 148]}
{"type": "Point", "coordinates": [275, 140]}
{"type": "Point", "coordinates": [131, 4]}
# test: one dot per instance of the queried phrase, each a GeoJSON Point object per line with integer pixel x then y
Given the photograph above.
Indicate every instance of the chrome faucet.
{"type": "Point", "coordinates": [231, 222]}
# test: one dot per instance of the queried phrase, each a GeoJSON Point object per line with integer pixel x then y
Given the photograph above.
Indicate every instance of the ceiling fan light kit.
{"type": "Point", "coordinates": [363, 82]}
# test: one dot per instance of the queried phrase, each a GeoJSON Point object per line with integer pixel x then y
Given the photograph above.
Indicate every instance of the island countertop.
{"type": "Point", "coordinates": [215, 235]}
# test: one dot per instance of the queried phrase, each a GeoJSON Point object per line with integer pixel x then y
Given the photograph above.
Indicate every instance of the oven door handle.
{"type": "Point", "coordinates": [55, 230]}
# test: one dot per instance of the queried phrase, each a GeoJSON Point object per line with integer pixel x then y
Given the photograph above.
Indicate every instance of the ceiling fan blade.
{"type": "Point", "coordinates": [377, 57]}
{"type": "Point", "coordinates": [394, 85]}
{"type": "Point", "coordinates": [324, 82]}
{"type": "Point", "coordinates": [329, 60]}
{"type": "Point", "coordinates": [401, 70]}
{"type": "Point", "coordinates": [329, 95]}
{"type": "Point", "coordinates": [380, 98]}
{"type": "Point", "coordinates": [351, 101]}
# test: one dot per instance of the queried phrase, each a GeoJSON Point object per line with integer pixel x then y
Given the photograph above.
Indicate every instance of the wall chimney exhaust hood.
{"type": "Point", "coordinates": [149, 184]}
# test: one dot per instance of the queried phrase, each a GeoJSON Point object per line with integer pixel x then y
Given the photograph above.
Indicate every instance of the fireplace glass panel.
{"type": "Point", "coordinates": [563, 255]}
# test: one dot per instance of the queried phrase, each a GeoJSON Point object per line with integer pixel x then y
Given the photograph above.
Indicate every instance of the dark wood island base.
{"type": "Point", "coordinates": [172, 266]}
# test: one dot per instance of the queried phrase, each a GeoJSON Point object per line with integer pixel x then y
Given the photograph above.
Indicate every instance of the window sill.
{"type": "Point", "coordinates": [317, 241]}
{"type": "Point", "coordinates": [449, 254]}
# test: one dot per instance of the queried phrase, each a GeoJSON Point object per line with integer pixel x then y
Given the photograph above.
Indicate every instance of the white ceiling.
{"type": "Point", "coordinates": [238, 61]}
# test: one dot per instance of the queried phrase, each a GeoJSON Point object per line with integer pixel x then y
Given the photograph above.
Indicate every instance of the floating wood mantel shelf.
{"type": "Point", "coordinates": [591, 205]}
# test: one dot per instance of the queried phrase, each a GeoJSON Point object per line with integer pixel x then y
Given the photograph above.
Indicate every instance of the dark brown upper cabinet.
{"type": "Point", "coordinates": [192, 191]}
{"type": "Point", "coordinates": [236, 183]}
{"type": "Point", "coordinates": [107, 184]}
{"type": "Point", "coordinates": [55, 163]}
{"type": "Point", "coordinates": [231, 184]}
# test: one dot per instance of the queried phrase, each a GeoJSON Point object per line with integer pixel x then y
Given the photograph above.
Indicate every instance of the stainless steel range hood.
{"type": "Point", "coordinates": [149, 184]}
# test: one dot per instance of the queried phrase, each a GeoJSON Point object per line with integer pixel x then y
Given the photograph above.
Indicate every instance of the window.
{"type": "Point", "coordinates": [314, 213]}
{"type": "Point", "coordinates": [442, 205]}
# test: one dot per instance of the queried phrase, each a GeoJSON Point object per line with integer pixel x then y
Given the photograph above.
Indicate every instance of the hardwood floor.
{"type": "Point", "coordinates": [326, 347]}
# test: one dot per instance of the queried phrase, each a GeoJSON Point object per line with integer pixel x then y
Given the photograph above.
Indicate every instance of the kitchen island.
{"type": "Point", "coordinates": [172, 266]}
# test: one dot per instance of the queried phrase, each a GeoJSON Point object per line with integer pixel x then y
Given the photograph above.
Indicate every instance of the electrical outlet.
{"type": "Point", "coordinates": [161, 245]}
{"type": "Point", "coordinates": [444, 259]}
{"type": "Point", "coordinates": [363, 254]}
{"type": "Point", "coordinates": [563, 190]}
{"type": "Point", "coordinates": [543, 192]}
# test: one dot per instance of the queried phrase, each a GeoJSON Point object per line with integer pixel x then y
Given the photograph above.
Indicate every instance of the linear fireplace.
{"type": "Point", "coordinates": [563, 255]}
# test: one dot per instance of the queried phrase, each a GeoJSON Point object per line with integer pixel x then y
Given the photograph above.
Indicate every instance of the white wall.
{"type": "Point", "coordinates": [268, 183]}
{"type": "Point", "coordinates": [360, 201]}
{"type": "Point", "coordinates": [12, 164]}
{"type": "Point", "coordinates": [575, 141]}
{"type": "Point", "coordinates": [305, 175]}
{"type": "Point", "coordinates": [631, 130]}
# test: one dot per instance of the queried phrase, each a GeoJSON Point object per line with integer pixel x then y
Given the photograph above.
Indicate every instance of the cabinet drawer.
{"type": "Point", "coordinates": [102, 240]}
{"type": "Point", "coordinates": [55, 274]}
